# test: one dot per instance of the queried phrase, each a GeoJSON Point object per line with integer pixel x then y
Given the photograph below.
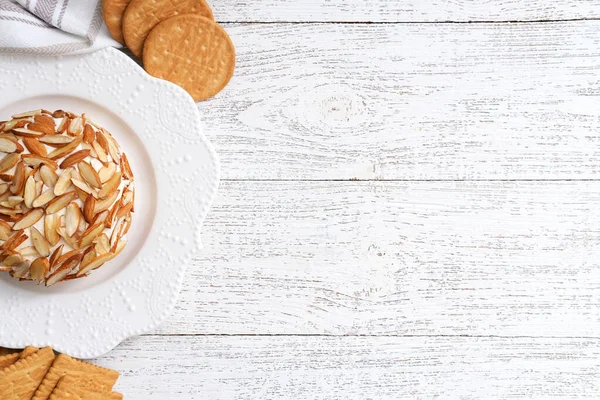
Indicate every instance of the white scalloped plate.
{"type": "Point", "coordinates": [176, 177]}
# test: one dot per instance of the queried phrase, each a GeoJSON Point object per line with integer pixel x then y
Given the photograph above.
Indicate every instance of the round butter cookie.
{"type": "Point", "coordinates": [66, 196]}
{"type": "Point", "coordinates": [193, 52]}
{"type": "Point", "coordinates": [112, 11]}
{"type": "Point", "coordinates": [143, 15]}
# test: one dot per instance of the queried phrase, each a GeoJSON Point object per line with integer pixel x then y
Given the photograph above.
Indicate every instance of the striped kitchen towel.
{"type": "Point", "coordinates": [52, 26]}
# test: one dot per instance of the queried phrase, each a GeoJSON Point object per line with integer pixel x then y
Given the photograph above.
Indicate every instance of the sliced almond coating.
{"type": "Point", "coordinates": [73, 217]}
{"type": "Point", "coordinates": [50, 226]}
{"type": "Point", "coordinates": [8, 162]}
{"type": "Point", "coordinates": [44, 119]}
{"type": "Point", "coordinates": [7, 145]}
{"type": "Point", "coordinates": [55, 256]}
{"type": "Point", "coordinates": [90, 234]}
{"type": "Point", "coordinates": [33, 160]}
{"type": "Point", "coordinates": [14, 241]}
{"type": "Point", "coordinates": [13, 201]}
{"type": "Point", "coordinates": [74, 158]}
{"type": "Point", "coordinates": [88, 257]}
{"type": "Point", "coordinates": [105, 203]}
{"type": "Point", "coordinates": [71, 241]}
{"type": "Point", "coordinates": [19, 178]}
{"type": "Point", "coordinates": [84, 186]}
{"type": "Point", "coordinates": [126, 168]}
{"type": "Point", "coordinates": [100, 153]}
{"type": "Point", "coordinates": [39, 242]}
{"type": "Point", "coordinates": [3, 188]}
{"type": "Point", "coordinates": [112, 214]}
{"type": "Point", "coordinates": [63, 125]}
{"type": "Point", "coordinates": [89, 174]}
{"type": "Point", "coordinates": [63, 182]}
{"type": "Point", "coordinates": [59, 114]}
{"type": "Point", "coordinates": [39, 268]}
{"type": "Point", "coordinates": [110, 186]}
{"type": "Point", "coordinates": [13, 259]}
{"type": "Point", "coordinates": [39, 186]}
{"type": "Point", "coordinates": [5, 230]}
{"type": "Point", "coordinates": [35, 146]}
{"type": "Point", "coordinates": [60, 202]}
{"type": "Point", "coordinates": [14, 123]}
{"type": "Point", "coordinates": [20, 270]}
{"type": "Point", "coordinates": [89, 135]}
{"type": "Point", "coordinates": [27, 132]}
{"type": "Point", "coordinates": [43, 199]}
{"type": "Point", "coordinates": [113, 148]}
{"type": "Point", "coordinates": [48, 176]}
{"type": "Point", "coordinates": [75, 127]}
{"type": "Point", "coordinates": [65, 269]}
{"type": "Point", "coordinates": [29, 251]}
{"type": "Point", "coordinates": [101, 139]}
{"type": "Point", "coordinates": [100, 217]}
{"type": "Point", "coordinates": [8, 211]}
{"type": "Point", "coordinates": [127, 197]}
{"type": "Point", "coordinates": [107, 172]}
{"type": "Point", "coordinates": [45, 129]}
{"type": "Point", "coordinates": [102, 244]}
{"type": "Point", "coordinates": [25, 114]}
{"type": "Point", "coordinates": [7, 177]}
{"type": "Point", "coordinates": [29, 194]}
{"type": "Point", "coordinates": [81, 194]}
{"type": "Point", "coordinates": [96, 263]}
{"type": "Point", "coordinates": [56, 140]}
{"type": "Point", "coordinates": [64, 150]}
{"type": "Point", "coordinates": [66, 256]}
{"type": "Point", "coordinates": [29, 219]}
{"type": "Point", "coordinates": [116, 233]}
{"type": "Point", "coordinates": [88, 209]}
{"type": "Point", "coordinates": [82, 224]}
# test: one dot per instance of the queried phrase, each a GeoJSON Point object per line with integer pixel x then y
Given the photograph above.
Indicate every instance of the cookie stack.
{"type": "Point", "coordinates": [177, 40]}
{"type": "Point", "coordinates": [40, 375]}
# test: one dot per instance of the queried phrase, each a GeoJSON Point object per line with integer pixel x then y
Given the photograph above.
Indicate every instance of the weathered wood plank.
{"type": "Point", "coordinates": [331, 368]}
{"type": "Point", "coordinates": [412, 258]}
{"type": "Point", "coordinates": [402, 10]}
{"type": "Point", "coordinates": [433, 101]}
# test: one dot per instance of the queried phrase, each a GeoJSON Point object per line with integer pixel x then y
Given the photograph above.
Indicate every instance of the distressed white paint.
{"type": "Point", "coordinates": [410, 101]}
{"type": "Point", "coordinates": [425, 258]}
{"type": "Point", "coordinates": [402, 10]}
{"type": "Point", "coordinates": [342, 368]}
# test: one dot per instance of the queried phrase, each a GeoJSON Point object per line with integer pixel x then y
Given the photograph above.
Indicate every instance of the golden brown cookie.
{"type": "Point", "coordinates": [193, 52]}
{"type": "Point", "coordinates": [113, 11]}
{"type": "Point", "coordinates": [143, 15]}
{"type": "Point", "coordinates": [79, 370]}
{"type": "Point", "coordinates": [20, 380]}
{"type": "Point", "coordinates": [69, 388]}
{"type": "Point", "coordinates": [29, 350]}
{"type": "Point", "coordinates": [8, 359]}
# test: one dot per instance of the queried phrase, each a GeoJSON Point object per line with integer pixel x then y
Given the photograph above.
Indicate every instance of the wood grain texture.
{"type": "Point", "coordinates": [402, 10]}
{"type": "Point", "coordinates": [412, 258]}
{"type": "Point", "coordinates": [356, 368]}
{"type": "Point", "coordinates": [416, 101]}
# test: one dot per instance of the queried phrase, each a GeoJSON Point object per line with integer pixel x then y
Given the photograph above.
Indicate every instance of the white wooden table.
{"type": "Point", "coordinates": [410, 208]}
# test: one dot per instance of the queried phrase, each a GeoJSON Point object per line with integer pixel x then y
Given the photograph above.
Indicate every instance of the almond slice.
{"type": "Point", "coordinates": [110, 186]}
{"type": "Point", "coordinates": [101, 139]}
{"type": "Point", "coordinates": [20, 270]}
{"type": "Point", "coordinates": [35, 146]}
{"type": "Point", "coordinates": [88, 209]}
{"type": "Point", "coordinates": [90, 234]}
{"type": "Point", "coordinates": [39, 242]}
{"type": "Point", "coordinates": [73, 217]}
{"type": "Point", "coordinates": [102, 244]}
{"type": "Point", "coordinates": [48, 176]}
{"type": "Point", "coordinates": [74, 158]}
{"type": "Point", "coordinates": [71, 241]}
{"type": "Point", "coordinates": [89, 174]}
{"type": "Point", "coordinates": [107, 172]}
{"type": "Point", "coordinates": [8, 162]}
{"type": "Point", "coordinates": [29, 219]}
{"type": "Point", "coordinates": [100, 153]}
{"type": "Point", "coordinates": [63, 182]}
{"type": "Point", "coordinates": [75, 127]}
{"type": "Point", "coordinates": [3, 188]}
{"type": "Point", "coordinates": [64, 150]}
{"type": "Point", "coordinates": [29, 251]}
{"type": "Point", "coordinates": [29, 193]}
{"type": "Point", "coordinates": [84, 186]}
{"type": "Point", "coordinates": [12, 259]}
{"type": "Point", "coordinates": [88, 257]}
{"type": "Point", "coordinates": [97, 262]}
{"type": "Point", "coordinates": [82, 224]}
{"type": "Point", "coordinates": [105, 203]}
{"type": "Point", "coordinates": [18, 179]}
{"type": "Point", "coordinates": [43, 199]}
{"type": "Point", "coordinates": [27, 132]}
{"type": "Point", "coordinates": [14, 241]}
{"type": "Point", "coordinates": [41, 128]}
{"type": "Point", "coordinates": [81, 194]}
{"type": "Point", "coordinates": [65, 269]}
{"type": "Point", "coordinates": [44, 119]}
{"type": "Point", "coordinates": [112, 214]}
{"type": "Point", "coordinates": [56, 140]}
{"type": "Point", "coordinates": [113, 148]}
{"type": "Point", "coordinates": [60, 202]}
{"type": "Point", "coordinates": [126, 168]}
{"type": "Point", "coordinates": [7, 177]}
{"type": "Point", "coordinates": [89, 135]}
{"type": "Point", "coordinates": [39, 268]}
{"type": "Point", "coordinates": [25, 114]}
{"type": "Point", "coordinates": [7, 145]}
{"type": "Point", "coordinates": [33, 160]}
{"type": "Point", "coordinates": [5, 230]}
{"type": "Point", "coordinates": [100, 217]}
{"type": "Point", "coordinates": [50, 225]}
{"type": "Point", "coordinates": [55, 256]}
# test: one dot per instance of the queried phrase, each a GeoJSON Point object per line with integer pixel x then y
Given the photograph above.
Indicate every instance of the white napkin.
{"type": "Point", "coordinates": [52, 26]}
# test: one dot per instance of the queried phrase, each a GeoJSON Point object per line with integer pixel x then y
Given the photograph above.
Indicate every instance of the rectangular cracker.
{"type": "Point", "coordinates": [70, 388]}
{"type": "Point", "coordinates": [8, 359]}
{"type": "Point", "coordinates": [20, 380]}
{"type": "Point", "coordinates": [82, 371]}
{"type": "Point", "coordinates": [29, 350]}
{"type": "Point", "coordinates": [4, 351]}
